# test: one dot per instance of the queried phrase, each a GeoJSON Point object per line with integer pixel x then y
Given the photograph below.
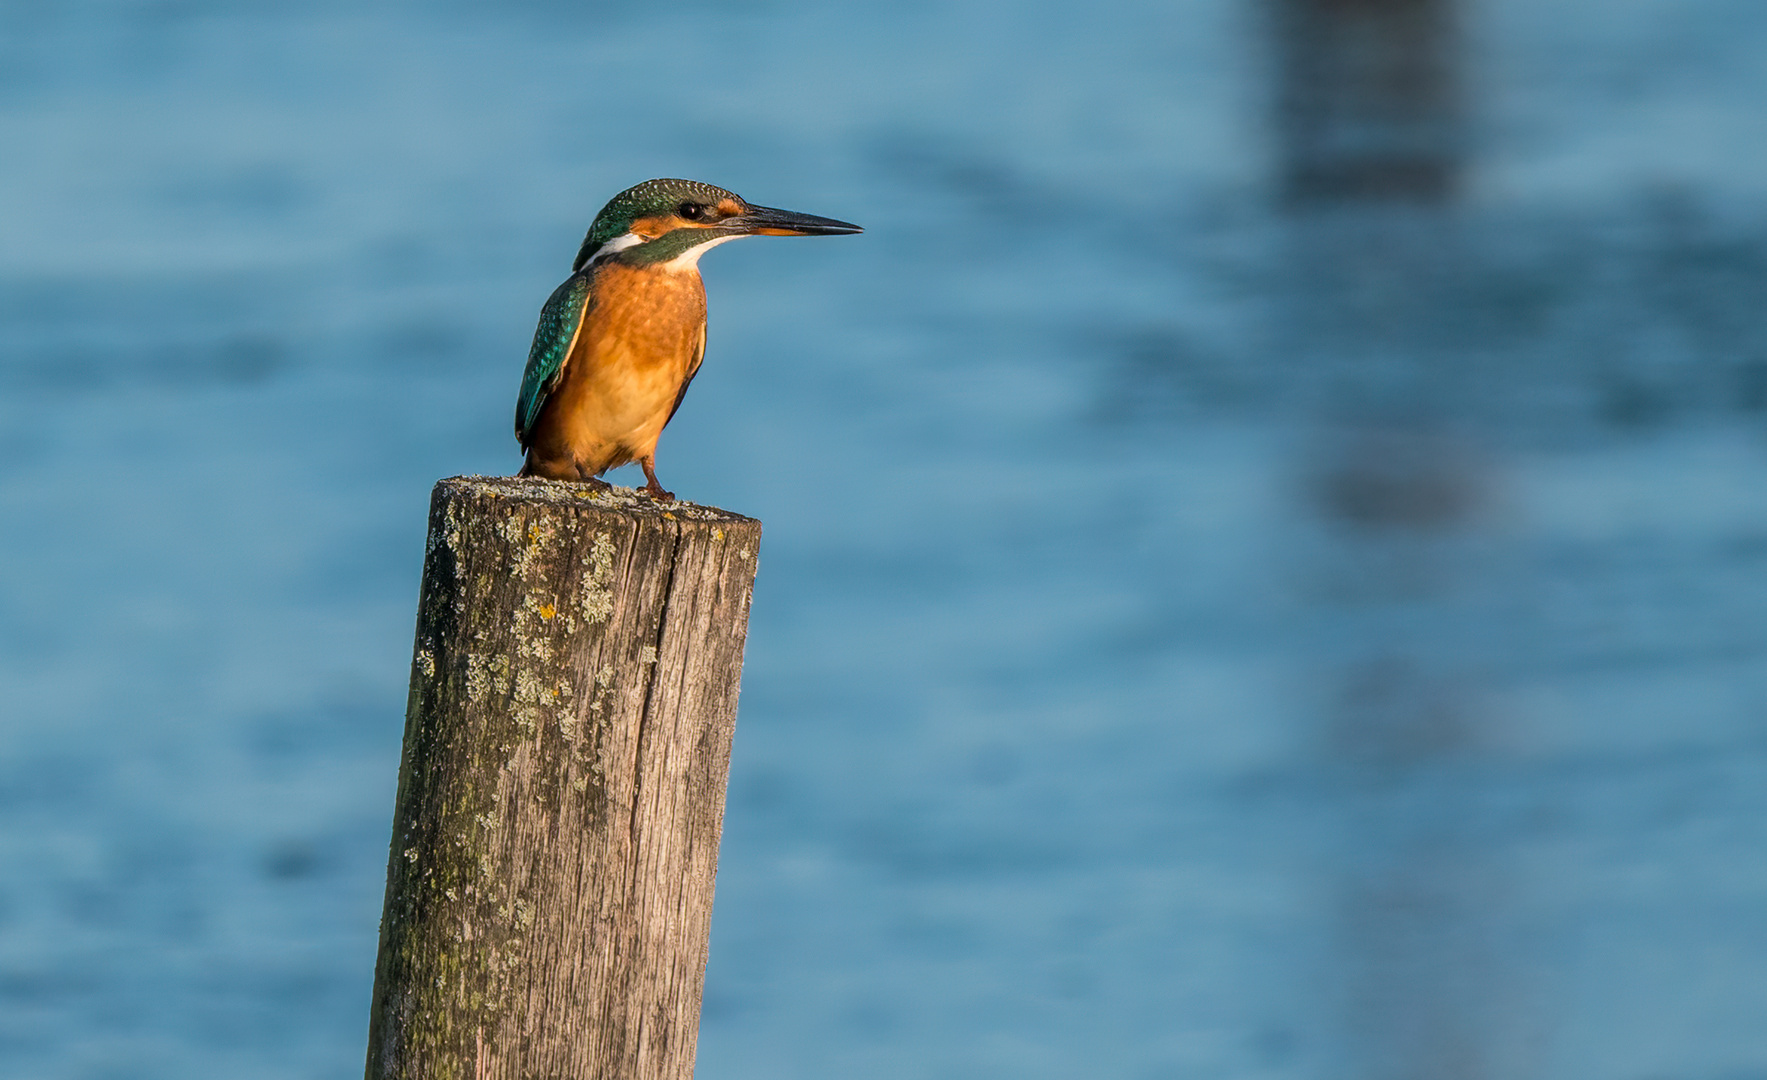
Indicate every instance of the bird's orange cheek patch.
{"type": "Point", "coordinates": [652, 227]}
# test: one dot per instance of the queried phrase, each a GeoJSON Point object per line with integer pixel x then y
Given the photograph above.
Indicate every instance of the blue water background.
{"type": "Point", "coordinates": [1192, 640]}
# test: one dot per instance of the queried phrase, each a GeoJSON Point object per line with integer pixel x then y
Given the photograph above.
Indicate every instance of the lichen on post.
{"type": "Point", "coordinates": [567, 741]}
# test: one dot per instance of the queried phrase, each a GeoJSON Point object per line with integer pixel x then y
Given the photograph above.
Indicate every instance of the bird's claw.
{"type": "Point", "coordinates": [652, 486]}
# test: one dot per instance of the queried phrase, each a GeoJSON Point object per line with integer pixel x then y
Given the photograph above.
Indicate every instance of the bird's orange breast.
{"type": "Point", "coordinates": [642, 338]}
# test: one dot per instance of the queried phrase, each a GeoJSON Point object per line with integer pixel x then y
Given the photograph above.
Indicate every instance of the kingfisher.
{"type": "Point", "coordinates": [621, 339]}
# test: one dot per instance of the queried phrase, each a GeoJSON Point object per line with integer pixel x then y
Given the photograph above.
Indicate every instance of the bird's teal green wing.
{"type": "Point", "coordinates": [560, 320]}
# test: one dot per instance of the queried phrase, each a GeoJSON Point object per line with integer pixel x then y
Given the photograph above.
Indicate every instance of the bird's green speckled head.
{"type": "Point", "coordinates": [662, 220]}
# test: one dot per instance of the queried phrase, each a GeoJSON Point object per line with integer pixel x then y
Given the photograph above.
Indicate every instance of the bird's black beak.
{"type": "Point", "coordinates": [766, 221]}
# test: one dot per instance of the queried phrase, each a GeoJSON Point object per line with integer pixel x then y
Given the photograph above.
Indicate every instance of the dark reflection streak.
{"type": "Point", "coordinates": [1369, 122]}
{"type": "Point", "coordinates": [1368, 99]}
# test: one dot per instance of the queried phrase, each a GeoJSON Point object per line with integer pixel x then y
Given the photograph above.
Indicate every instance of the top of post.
{"type": "Point", "coordinates": [576, 495]}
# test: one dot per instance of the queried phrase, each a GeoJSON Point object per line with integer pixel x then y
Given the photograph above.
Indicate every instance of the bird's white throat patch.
{"type": "Point", "coordinates": [618, 243]}
{"type": "Point", "coordinates": [689, 259]}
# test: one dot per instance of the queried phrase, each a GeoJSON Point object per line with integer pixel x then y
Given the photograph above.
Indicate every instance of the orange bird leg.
{"type": "Point", "coordinates": [651, 487]}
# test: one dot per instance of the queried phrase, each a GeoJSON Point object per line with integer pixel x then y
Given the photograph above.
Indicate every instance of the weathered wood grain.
{"type": "Point", "coordinates": [567, 741]}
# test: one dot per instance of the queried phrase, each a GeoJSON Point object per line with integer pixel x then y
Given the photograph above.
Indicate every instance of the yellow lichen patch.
{"type": "Point", "coordinates": [547, 611]}
{"type": "Point", "coordinates": [534, 647]}
{"type": "Point", "coordinates": [604, 680]}
{"type": "Point", "coordinates": [532, 696]}
{"type": "Point", "coordinates": [717, 533]}
{"type": "Point", "coordinates": [486, 676]}
{"type": "Point", "coordinates": [452, 533]}
{"type": "Point", "coordinates": [597, 600]}
{"type": "Point", "coordinates": [527, 542]}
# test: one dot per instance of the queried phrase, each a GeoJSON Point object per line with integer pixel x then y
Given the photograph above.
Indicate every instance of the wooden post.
{"type": "Point", "coordinates": [561, 794]}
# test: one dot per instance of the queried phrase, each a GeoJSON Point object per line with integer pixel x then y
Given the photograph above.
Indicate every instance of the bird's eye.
{"type": "Point", "coordinates": [692, 211]}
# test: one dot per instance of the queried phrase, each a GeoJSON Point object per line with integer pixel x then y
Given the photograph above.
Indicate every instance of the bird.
{"type": "Point", "coordinates": [620, 340]}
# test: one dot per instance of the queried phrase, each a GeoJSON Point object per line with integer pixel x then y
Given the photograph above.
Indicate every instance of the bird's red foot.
{"type": "Point", "coordinates": [651, 487]}
{"type": "Point", "coordinates": [595, 483]}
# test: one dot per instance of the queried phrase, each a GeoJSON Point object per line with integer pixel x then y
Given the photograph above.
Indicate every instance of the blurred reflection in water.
{"type": "Point", "coordinates": [1416, 981]}
{"type": "Point", "coordinates": [1443, 362]}
{"type": "Point", "coordinates": [1370, 123]}
{"type": "Point", "coordinates": [1368, 99]}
